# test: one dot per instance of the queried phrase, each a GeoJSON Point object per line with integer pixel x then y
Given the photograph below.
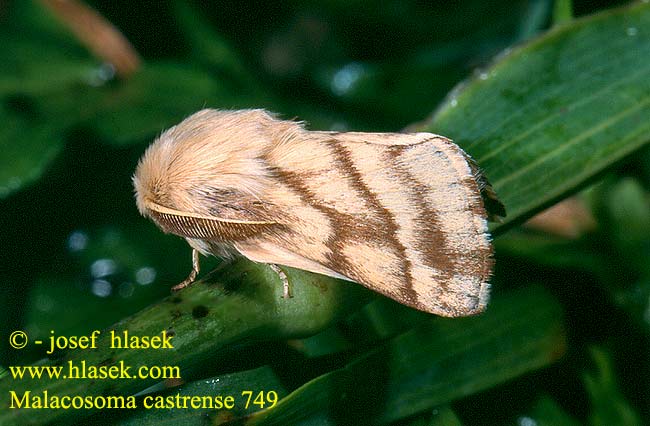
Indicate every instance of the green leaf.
{"type": "Point", "coordinates": [552, 251]}
{"type": "Point", "coordinates": [623, 210]}
{"type": "Point", "coordinates": [436, 363]}
{"type": "Point", "coordinates": [40, 56]}
{"type": "Point", "coordinates": [155, 98]}
{"type": "Point", "coordinates": [35, 67]}
{"type": "Point", "coordinates": [626, 215]}
{"type": "Point", "coordinates": [207, 320]}
{"type": "Point", "coordinates": [63, 83]}
{"type": "Point", "coordinates": [562, 11]}
{"type": "Point", "coordinates": [444, 416]}
{"type": "Point", "coordinates": [466, 33]}
{"type": "Point", "coordinates": [546, 412]}
{"type": "Point", "coordinates": [34, 64]}
{"type": "Point", "coordinates": [206, 46]}
{"type": "Point", "coordinates": [552, 114]}
{"type": "Point", "coordinates": [27, 145]}
{"type": "Point", "coordinates": [608, 405]}
{"type": "Point", "coordinates": [440, 416]}
{"type": "Point", "coordinates": [43, 59]}
{"type": "Point", "coordinates": [261, 379]}
{"type": "Point", "coordinates": [132, 273]}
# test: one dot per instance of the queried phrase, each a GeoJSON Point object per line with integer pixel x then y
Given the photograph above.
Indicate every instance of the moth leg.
{"type": "Point", "coordinates": [286, 288]}
{"type": "Point", "coordinates": [195, 271]}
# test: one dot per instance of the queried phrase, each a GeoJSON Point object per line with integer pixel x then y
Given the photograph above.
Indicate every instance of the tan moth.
{"type": "Point", "coordinates": [403, 214]}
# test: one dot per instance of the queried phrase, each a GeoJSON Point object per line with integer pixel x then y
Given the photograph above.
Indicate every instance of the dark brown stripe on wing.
{"type": "Point", "coordinates": [385, 231]}
{"type": "Point", "coordinates": [431, 241]}
{"type": "Point", "coordinates": [343, 225]}
{"type": "Point", "coordinates": [478, 261]}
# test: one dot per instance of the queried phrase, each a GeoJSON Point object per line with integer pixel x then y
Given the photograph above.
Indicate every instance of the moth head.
{"type": "Point", "coordinates": [203, 167]}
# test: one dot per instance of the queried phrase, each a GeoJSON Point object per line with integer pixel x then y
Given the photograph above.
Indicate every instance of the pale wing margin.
{"type": "Point", "coordinates": [399, 213]}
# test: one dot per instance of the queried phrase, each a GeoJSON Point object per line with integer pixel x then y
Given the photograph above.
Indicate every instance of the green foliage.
{"type": "Point", "coordinates": [557, 98]}
{"type": "Point", "coordinates": [430, 365]}
{"type": "Point", "coordinates": [550, 116]}
{"type": "Point", "coordinates": [609, 405]}
{"type": "Point", "coordinates": [562, 11]}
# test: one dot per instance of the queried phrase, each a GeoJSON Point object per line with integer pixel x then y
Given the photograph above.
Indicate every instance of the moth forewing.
{"type": "Point", "coordinates": [402, 214]}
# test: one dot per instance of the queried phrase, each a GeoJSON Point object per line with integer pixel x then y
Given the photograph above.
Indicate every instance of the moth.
{"type": "Point", "coordinates": [403, 214]}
